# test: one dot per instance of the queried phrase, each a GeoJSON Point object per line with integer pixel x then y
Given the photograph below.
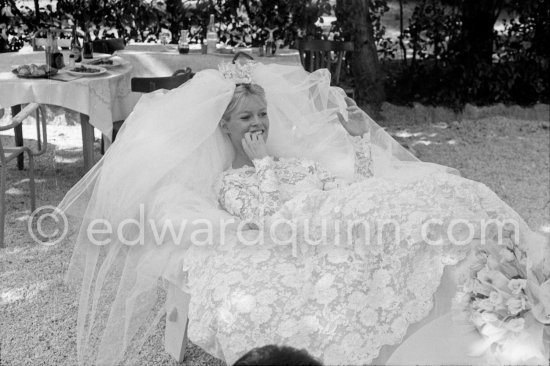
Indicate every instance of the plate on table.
{"type": "Point", "coordinates": [33, 71]}
{"type": "Point", "coordinates": [106, 62]}
{"type": "Point", "coordinates": [225, 51]}
{"type": "Point", "coordinates": [86, 70]}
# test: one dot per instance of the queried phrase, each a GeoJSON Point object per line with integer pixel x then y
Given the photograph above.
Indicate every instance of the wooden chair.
{"type": "Point", "coordinates": [175, 333]}
{"type": "Point", "coordinates": [150, 84]}
{"type": "Point", "coordinates": [108, 45]}
{"type": "Point", "coordinates": [177, 320]}
{"type": "Point", "coordinates": [9, 153]}
{"type": "Point", "coordinates": [319, 54]}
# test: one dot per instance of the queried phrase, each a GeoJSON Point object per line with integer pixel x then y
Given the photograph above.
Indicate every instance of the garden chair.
{"type": "Point", "coordinates": [318, 54]}
{"type": "Point", "coordinates": [175, 333]}
{"type": "Point", "coordinates": [9, 153]}
{"type": "Point", "coordinates": [150, 84]}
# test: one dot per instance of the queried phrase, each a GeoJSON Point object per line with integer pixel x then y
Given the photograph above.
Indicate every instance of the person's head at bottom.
{"type": "Point", "coordinates": [277, 355]}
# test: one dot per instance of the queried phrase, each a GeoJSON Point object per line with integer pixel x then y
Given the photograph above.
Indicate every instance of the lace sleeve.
{"type": "Point", "coordinates": [363, 158]}
{"type": "Point", "coordinates": [236, 193]}
{"type": "Point", "coordinates": [250, 195]}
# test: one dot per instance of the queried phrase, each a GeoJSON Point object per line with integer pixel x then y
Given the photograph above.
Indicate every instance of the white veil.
{"type": "Point", "coordinates": [171, 145]}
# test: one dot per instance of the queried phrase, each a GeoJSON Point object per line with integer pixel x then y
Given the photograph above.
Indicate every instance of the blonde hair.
{"type": "Point", "coordinates": [242, 91]}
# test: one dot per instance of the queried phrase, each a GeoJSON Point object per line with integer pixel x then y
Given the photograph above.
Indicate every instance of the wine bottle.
{"type": "Point", "coordinates": [48, 49]}
{"type": "Point", "coordinates": [183, 43]}
{"type": "Point", "coordinates": [57, 56]}
{"type": "Point", "coordinates": [87, 49]}
{"type": "Point", "coordinates": [211, 36]}
{"type": "Point", "coordinates": [76, 50]}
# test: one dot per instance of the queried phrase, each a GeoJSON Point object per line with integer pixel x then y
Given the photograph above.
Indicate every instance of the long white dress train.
{"type": "Point", "coordinates": [343, 303]}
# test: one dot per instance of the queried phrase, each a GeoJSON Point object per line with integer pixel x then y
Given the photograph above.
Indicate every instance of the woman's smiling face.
{"type": "Point", "coordinates": [250, 116]}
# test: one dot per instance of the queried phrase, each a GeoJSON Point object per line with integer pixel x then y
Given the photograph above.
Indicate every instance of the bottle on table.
{"type": "Point", "coordinates": [57, 56]}
{"type": "Point", "coordinates": [54, 58]}
{"type": "Point", "coordinates": [211, 36]}
{"type": "Point", "coordinates": [87, 49]}
{"type": "Point", "coordinates": [183, 42]}
{"type": "Point", "coordinates": [48, 48]}
{"type": "Point", "coordinates": [76, 50]}
{"type": "Point", "coordinates": [71, 61]}
{"type": "Point", "coordinates": [271, 45]}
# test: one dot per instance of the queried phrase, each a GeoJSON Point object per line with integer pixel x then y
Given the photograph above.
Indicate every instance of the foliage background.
{"type": "Point", "coordinates": [431, 61]}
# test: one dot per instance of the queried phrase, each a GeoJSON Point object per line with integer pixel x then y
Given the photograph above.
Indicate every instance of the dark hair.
{"type": "Point", "coordinates": [277, 355]}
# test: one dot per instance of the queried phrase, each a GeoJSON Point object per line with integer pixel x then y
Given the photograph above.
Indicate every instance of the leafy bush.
{"type": "Point", "coordinates": [438, 68]}
{"type": "Point", "coordinates": [237, 22]}
{"type": "Point", "coordinates": [13, 25]}
{"type": "Point", "coordinates": [441, 71]}
{"type": "Point", "coordinates": [246, 22]}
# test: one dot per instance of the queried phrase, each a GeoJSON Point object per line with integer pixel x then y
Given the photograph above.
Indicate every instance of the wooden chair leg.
{"type": "Point", "coordinates": [105, 142]}
{"type": "Point", "coordinates": [3, 174]}
{"type": "Point", "coordinates": [175, 335]}
{"type": "Point", "coordinates": [32, 185]}
{"type": "Point", "coordinates": [38, 130]}
{"type": "Point", "coordinates": [116, 127]}
{"type": "Point", "coordinates": [18, 132]}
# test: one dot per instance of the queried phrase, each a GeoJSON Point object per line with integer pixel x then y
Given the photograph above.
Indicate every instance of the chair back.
{"type": "Point", "coordinates": [108, 45]}
{"type": "Point", "coordinates": [318, 54]}
{"type": "Point", "coordinates": [150, 84]}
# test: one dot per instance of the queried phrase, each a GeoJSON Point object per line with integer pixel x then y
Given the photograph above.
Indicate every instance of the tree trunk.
{"type": "Point", "coordinates": [478, 21]}
{"type": "Point", "coordinates": [175, 9]}
{"type": "Point", "coordinates": [541, 14]}
{"type": "Point", "coordinates": [365, 65]}
{"type": "Point", "coordinates": [402, 33]}
{"type": "Point", "coordinates": [37, 12]}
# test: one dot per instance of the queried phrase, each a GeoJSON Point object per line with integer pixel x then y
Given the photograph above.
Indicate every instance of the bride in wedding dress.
{"type": "Point", "coordinates": [287, 214]}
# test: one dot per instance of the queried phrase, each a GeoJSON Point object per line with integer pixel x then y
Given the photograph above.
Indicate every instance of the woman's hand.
{"type": "Point", "coordinates": [254, 146]}
{"type": "Point", "coordinates": [357, 122]}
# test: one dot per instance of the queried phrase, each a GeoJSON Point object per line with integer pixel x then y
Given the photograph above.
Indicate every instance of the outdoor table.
{"type": "Point", "coordinates": [100, 99]}
{"type": "Point", "coordinates": [150, 60]}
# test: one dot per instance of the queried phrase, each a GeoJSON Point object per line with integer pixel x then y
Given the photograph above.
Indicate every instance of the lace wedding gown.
{"type": "Point", "coordinates": [341, 303]}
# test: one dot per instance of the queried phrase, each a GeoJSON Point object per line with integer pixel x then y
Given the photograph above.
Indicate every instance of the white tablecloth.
{"type": "Point", "coordinates": [104, 98]}
{"type": "Point", "coordinates": [166, 59]}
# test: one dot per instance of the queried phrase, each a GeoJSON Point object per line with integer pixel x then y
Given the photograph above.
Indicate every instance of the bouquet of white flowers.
{"type": "Point", "coordinates": [506, 297]}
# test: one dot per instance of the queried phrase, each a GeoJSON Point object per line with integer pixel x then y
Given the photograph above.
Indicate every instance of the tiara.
{"type": "Point", "coordinates": [237, 72]}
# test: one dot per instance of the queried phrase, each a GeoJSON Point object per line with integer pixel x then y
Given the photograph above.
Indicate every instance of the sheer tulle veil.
{"type": "Point", "coordinates": [162, 168]}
